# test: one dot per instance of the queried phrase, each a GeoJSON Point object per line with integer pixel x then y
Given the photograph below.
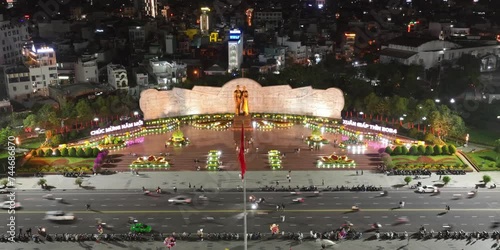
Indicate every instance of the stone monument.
{"type": "Point", "coordinates": [241, 116]}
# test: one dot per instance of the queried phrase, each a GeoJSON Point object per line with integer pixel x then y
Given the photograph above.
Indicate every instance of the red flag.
{"type": "Point", "coordinates": [241, 155]}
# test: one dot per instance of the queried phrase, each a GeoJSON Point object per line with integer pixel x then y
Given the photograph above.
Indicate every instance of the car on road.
{"type": "Point", "coordinates": [181, 199]}
{"type": "Point", "coordinates": [59, 216]}
{"type": "Point", "coordinates": [427, 189]}
{"type": "Point", "coordinates": [6, 191]}
{"type": "Point", "coordinates": [10, 205]}
{"type": "Point", "coordinates": [140, 228]}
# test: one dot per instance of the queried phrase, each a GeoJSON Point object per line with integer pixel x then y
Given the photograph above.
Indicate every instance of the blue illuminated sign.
{"type": "Point", "coordinates": [234, 37]}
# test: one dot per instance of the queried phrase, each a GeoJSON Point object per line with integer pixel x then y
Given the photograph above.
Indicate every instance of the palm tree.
{"type": "Point", "coordinates": [42, 182]}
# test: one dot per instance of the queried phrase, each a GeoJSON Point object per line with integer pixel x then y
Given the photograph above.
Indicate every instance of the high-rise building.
{"type": "Point", "coordinates": [151, 7]}
{"type": "Point", "coordinates": [349, 43]}
{"type": "Point", "coordinates": [205, 20]}
{"type": "Point", "coordinates": [42, 63]}
{"type": "Point", "coordinates": [235, 50]}
{"type": "Point", "coordinates": [12, 38]}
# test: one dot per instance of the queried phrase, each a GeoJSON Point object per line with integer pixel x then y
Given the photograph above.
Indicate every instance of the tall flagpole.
{"type": "Point", "coordinates": [245, 214]}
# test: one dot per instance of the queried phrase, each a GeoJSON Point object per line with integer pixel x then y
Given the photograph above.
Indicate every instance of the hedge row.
{"type": "Point", "coordinates": [65, 152]}
{"type": "Point", "coordinates": [422, 150]}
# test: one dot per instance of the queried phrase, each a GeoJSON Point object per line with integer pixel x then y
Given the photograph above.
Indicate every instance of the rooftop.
{"type": "Point", "coordinates": [397, 53]}
{"type": "Point", "coordinates": [17, 69]}
{"type": "Point", "coordinates": [411, 41]}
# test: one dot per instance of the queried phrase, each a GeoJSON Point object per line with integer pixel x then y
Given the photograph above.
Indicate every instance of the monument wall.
{"type": "Point", "coordinates": [211, 100]}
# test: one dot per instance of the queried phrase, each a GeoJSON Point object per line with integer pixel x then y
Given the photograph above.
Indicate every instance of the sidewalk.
{"type": "Point", "coordinates": [255, 179]}
{"type": "Point", "coordinates": [263, 245]}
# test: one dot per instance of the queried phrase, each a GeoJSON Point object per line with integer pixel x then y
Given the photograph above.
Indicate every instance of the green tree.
{"type": "Point", "coordinates": [79, 181]}
{"type": "Point", "coordinates": [64, 152]}
{"type": "Point", "coordinates": [399, 106]}
{"type": "Point", "coordinates": [42, 183]}
{"type": "Point", "coordinates": [83, 110]}
{"type": "Point", "coordinates": [388, 150]}
{"type": "Point", "coordinates": [444, 150]}
{"type": "Point", "coordinates": [5, 133]}
{"type": "Point", "coordinates": [31, 121]}
{"type": "Point", "coordinates": [57, 152]}
{"type": "Point", "coordinates": [446, 123]}
{"type": "Point", "coordinates": [47, 116]}
{"type": "Point", "coordinates": [371, 103]}
{"type": "Point", "coordinates": [437, 150]}
{"type": "Point", "coordinates": [413, 150]}
{"type": "Point", "coordinates": [407, 180]}
{"type": "Point", "coordinates": [4, 182]}
{"type": "Point", "coordinates": [72, 152]}
{"type": "Point", "coordinates": [33, 153]}
{"type": "Point", "coordinates": [486, 179]}
{"type": "Point", "coordinates": [446, 179]}
{"type": "Point", "coordinates": [429, 150]}
{"type": "Point", "coordinates": [56, 140]}
{"type": "Point", "coordinates": [497, 145]}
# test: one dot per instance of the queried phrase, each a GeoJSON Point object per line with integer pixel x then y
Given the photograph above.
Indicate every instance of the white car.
{"type": "Point", "coordinates": [180, 200]}
{"type": "Point", "coordinates": [427, 189]}
{"type": "Point", "coordinates": [10, 205]}
{"type": "Point", "coordinates": [59, 216]}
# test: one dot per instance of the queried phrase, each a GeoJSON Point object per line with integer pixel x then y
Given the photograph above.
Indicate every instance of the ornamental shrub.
{"type": "Point", "coordinates": [429, 150]}
{"type": "Point", "coordinates": [397, 150]}
{"type": "Point", "coordinates": [33, 153]}
{"type": "Point", "coordinates": [452, 149]}
{"type": "Point", "coordinates": [95, 152]}
{"type": "Point", "coordinates": [444, 150]}
{"type": "Point", "coordinates": [388, 150]}
{"type": "Point", "coordinates": [437, 150]}
{"type": "Point", "coordinates": [421, 149]}
{"type": "Point", "coordinates": [404, 150]}
{"type": "Point", "coordinates": [64, 152]}
{"type": "Point", "coordinates": [88, 152]}
{"type": "Point", "coordinates": [40, 153]}
{"type": "Point", "coordinates": [57, 152]}
{"type": "Point", "coordinates": [72, 152]}
{"type": "Point", "coordinates": [80, 152]}
{"type": "Point", "coordinates": [48, 153]}
{"type": "Point", "coordinates": [413, 150]}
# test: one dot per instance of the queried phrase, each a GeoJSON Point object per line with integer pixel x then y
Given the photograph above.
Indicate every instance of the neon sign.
{"type": "Point", "coordinates": [234, 35]}
{"type": "Point", "coordinates": [369, 126]}
{"type": "Point", "coordinates": [116, 128]}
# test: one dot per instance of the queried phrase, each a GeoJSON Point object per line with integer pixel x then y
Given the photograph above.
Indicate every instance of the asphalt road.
{"type": "Point", "coordinates": [223, 211]}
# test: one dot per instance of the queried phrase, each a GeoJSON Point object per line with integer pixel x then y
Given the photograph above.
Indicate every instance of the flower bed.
{"type": "Point", "coordinates": [274, 158]}
{"type": "Point", "coordinates": [150, 162]}
{"type": "Point", "coordinates": [177, 139]}
{"type": "Point", "coordinates": [335, 161]}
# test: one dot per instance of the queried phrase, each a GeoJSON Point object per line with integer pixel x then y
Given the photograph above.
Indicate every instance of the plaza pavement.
{"type": "Point", "coordinates": [229, 180]}
{"type": "Point", "coordinates": [264, 245]}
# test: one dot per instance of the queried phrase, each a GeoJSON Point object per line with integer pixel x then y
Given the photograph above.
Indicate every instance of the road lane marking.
{"type": "Point", "coordinates": [366, 217]}
{"type": "Point", "coordinates": [338, 203]}
{"type": "Point", "coordinates": [120, 205]}
{"type": "Point", "coordinates": [309, 217]}
{"type": "Point", "coordinates": [491, 216]}
{"type": "Point", "coordinates": [321, 204]}
{"type": "Point", "coordinates": [268, 211]}
{"type": "Point", "coordinates": [481, 224]}
{"type": "Point", "coordinates": [474, 216]}
{"type": "Point", "coordinates": [375, 203]}
{"type": "Point", "coordinates": [327, 217]}
{"type": "Point", "coordinates": [426, 203]}
{"type": "Point", "coordinates": [27, 218]}
{"type": "Point", "coordinates": [421, 216]}
{"type": "Point", "coordinates": [385, 217]}
{"type": "Point", "coordinates": [355, 197]}
{"type": "Point", "coordinates": [104, 205]}
{"type": "Point", "coordinates": [293, 225]}
{"type": "Point", "coordinates": [164, 226]}
{"type": "Point", "coordinates": [116, 218]}
{"type": "Point", "coordinates": [150, 218]}
{"type": "Point", "coordinates": [457, 216]}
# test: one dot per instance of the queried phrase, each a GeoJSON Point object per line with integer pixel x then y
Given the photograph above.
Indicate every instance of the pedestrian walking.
{"type": "Point", "coordinates": [190, 185]}
{"type": "Point", "coordinates": [322, 182]}
{"type": "Point", "coordinates": [439, 177]}
{"type": "Point", "coordinates": [28, 231]}
{"type": "Point", "coordinates": [277, 207]}
{"type": "Point", "coordinates": [361, 172]}
{"type": "Point", "coordinates": [20, 231]}
{"type": "Point", "coordinates": [87, 206]}
{"type": "Point", "coordinates": [282, 218]}
{"type": "Point", "coordinates": [175, 189]}
{"type": "Point", "coordinates": [283, 206]}
{"type": "Point", "coordinates": [289, 180]}
{"type": "Point", "coordinates": [277, 183]}
{"type": "Point", "coordinates": [356, 172]}
{"type": "Point", "coordinates": [289, 172]}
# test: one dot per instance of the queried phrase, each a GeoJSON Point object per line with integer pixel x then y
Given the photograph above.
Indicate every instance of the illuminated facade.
{"type": "Point", "coordinates": [151, 7]}
{"type": "Point", "coordinates": [205, 20]}
{"type": "Point", "coordinates": [249, 14]}
{"type": "Point", "coordinates": [350, 41]}
{"type": "Point", "coordinates": [280, 99]}
{"type": "Point", "coordinates": [235, 50]}
{"type": "Point", "coordinates": [42, 64]}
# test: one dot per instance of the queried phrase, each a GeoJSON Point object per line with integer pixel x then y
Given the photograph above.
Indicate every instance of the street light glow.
{"type": "Point", "coordinates": [437, 100]}
{"type": "Point", "coordinates": [96, 119]}
{"type": "Point", "coordinates": [452, 100]}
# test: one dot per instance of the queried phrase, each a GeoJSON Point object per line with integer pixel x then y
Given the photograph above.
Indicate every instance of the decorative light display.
{"type": "Point", "coordinates": [274, 157]}
{"type": "Point", "coordinates": [335, 161]}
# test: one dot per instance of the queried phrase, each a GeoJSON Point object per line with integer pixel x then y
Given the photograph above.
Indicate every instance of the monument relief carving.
{"type": "Point", "coordinates": [236, 95]}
